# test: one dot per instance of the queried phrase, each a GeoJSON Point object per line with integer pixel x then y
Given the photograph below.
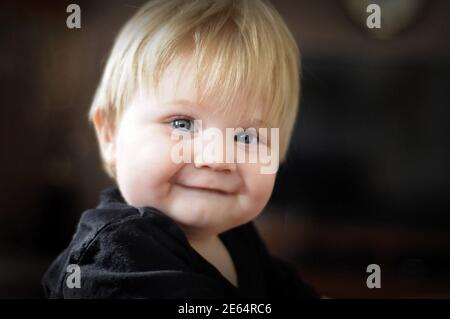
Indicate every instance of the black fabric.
{"type": "Point", "coordinates": [129, 252]}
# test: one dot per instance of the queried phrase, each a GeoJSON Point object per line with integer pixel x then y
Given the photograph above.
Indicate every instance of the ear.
{"type": "Point", "coordinates": [105, 129]}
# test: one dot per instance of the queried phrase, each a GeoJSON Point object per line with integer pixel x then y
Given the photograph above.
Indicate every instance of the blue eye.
{"type": "Point", "coordinates": [182, 124]}
{"type": "Point", "coordinates": [246, 138]}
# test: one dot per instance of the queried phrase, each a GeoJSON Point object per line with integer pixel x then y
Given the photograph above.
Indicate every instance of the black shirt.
{"type": "Point", "coordinates": [138, 252]}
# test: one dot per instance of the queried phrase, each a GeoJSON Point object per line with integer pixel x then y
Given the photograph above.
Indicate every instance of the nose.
{"type": "Point", "coordinates": [204, 158]}
{"type": "Point", "coordinates": [216, 166]}
{"type": "Point", "coordinates": [200, 160]}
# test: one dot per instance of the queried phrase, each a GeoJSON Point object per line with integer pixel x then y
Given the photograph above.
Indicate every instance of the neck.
{"type": "Point", "coordinates": [198, 235]}
{"type": "Point", "coordinates": [201, 238]}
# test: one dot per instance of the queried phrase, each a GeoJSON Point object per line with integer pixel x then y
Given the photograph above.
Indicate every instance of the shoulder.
{"type": "Point", "coordinates": [130, 232]}
{"type": "Point", "coordinates": [119, 241]}
{"type": "Point", "coordinates": [283, 279]}
{"type": "Point", "coordinates": [250, 234]}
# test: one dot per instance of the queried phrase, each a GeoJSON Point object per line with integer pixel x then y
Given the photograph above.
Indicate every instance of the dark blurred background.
{"type": "Point", "coordinates": [367, 178]}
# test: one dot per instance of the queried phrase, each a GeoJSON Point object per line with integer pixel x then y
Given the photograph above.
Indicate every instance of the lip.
{"type": "Point", "coordinates": [205, 189]}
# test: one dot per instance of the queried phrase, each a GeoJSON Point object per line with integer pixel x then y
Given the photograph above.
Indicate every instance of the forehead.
{"type": "Point", "coordinates": [178, 86]}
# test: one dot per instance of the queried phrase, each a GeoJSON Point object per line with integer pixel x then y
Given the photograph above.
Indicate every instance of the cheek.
{"type": "Point", "coordinates": [263, 185]}
{"type": "Point", "coordinates": [259, 186]}
{"type": "Point", "coordinates": [144, 166]}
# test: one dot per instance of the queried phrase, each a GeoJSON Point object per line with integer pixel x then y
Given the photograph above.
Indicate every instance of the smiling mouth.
{"type": "Point", "coordinates": [205, 189]}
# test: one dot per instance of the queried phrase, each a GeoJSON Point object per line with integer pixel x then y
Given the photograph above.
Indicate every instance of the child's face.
{"type": "Point", "coordinates": [147, 175]}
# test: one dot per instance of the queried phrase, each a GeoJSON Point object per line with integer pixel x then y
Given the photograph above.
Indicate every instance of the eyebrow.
{"type": "Point", "coordinates": [182, 102]}
{"type": "Point", "coordinates": [191, 104]}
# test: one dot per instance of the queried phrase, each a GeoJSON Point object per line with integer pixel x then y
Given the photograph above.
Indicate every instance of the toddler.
{"type": "Point", "coordinates": [178, 223]}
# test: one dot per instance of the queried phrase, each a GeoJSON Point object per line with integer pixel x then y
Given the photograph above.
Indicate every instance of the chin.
{"type": "Point", "coordinates": [194, 218]}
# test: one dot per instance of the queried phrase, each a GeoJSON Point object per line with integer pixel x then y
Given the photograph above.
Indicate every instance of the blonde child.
{"type": "Point", "coordinates": [171, 229]}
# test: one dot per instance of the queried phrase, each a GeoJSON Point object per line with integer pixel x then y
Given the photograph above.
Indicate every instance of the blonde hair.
{"type": "Point", "coordinates": [237, 45]}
